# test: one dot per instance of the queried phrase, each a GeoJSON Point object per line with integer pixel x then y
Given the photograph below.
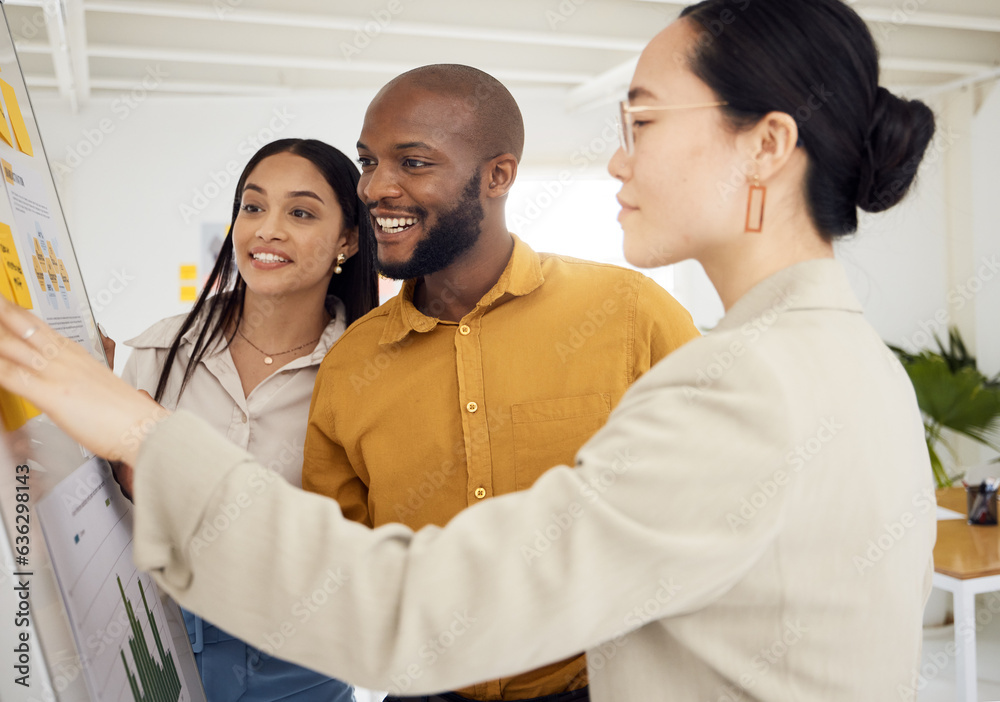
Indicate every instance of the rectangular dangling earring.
{"type": "Point", "coordinates": [755, 207]}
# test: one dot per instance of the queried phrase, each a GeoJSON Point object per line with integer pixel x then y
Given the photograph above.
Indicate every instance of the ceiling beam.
{"type": "Point", "coordinates": [920, 65]}
{"type": "Point", "coordinates": [938, 20]}
{"type": "Point", "coordinates": [612, 84]}
{"type": "Point", "coordinates": [76, 34]}
{"type": "Point", "coordinates": [362, 24]}
{"type": "Point", "coordinates": [602, 89]}
{"type": "Point", "coordinates": [173, 87]}
{"type": "Point", "coordinates": [899, 16]}
{"type": "Point", "coordinates": [55, 28]}
{"type": "Point", "coordinates": [226, 58]}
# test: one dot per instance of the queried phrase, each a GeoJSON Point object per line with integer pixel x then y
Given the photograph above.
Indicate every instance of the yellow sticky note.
{"type": "Point", "coordinates": [189, 272]}
{"type": "Point", "coordinates": [189, 293]}
{"type": "Point", "coordinates": [16, 118]}
{"type": "Point", "coordinates": [15, 411]}
{"type": "Point", "coordinates": [5, 290]}
{"type": "Point", "coordinates": [5, 131]}
{"type": "Point", "coordinates": [12, 268]}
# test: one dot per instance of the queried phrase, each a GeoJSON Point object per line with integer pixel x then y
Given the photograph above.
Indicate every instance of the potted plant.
{"type": "Point", "coordinates": [953, 394]}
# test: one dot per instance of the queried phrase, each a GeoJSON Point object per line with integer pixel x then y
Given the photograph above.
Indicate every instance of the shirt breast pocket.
{"type": "Point", "coordinates": [548, 433]}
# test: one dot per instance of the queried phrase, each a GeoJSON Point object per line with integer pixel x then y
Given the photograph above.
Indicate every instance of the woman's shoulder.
{"type": "Point", "coordinates": [158, 336]}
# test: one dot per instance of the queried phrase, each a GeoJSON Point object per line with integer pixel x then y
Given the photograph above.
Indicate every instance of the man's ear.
{"type": "Point", "coordinates": [501, 170]}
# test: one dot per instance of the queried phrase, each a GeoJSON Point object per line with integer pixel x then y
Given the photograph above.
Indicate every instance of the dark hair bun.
{"type": "Point", "coordinates": [899, 134]}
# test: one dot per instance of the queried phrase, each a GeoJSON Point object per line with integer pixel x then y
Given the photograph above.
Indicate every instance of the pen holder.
{"type": "Point", "coordinates": [982, 505]}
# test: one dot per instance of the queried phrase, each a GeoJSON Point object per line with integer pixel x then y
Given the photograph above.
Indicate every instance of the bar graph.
{"type": "Point", "coordinates": [157, 681]}
{"type": "Point", "coordinates": [127, 649]}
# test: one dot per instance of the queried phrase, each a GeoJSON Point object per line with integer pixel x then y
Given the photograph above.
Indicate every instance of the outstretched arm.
{"type": "Point", "coordinates": [515, 582]}
{"type": "Point", "coordinates": [78, 393]}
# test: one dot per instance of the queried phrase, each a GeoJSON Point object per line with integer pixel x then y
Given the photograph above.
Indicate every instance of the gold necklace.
{"type": "Point", "coordinates": [268, 357]}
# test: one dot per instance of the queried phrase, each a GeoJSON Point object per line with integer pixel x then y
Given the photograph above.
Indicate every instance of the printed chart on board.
{"type": "Point", "coordinates": [114, 610]}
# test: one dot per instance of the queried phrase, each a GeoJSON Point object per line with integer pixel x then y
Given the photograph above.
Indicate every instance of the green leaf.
{"type": "Point", "coordinates": [952, 393]}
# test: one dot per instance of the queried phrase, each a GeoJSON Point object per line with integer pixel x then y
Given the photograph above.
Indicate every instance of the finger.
{"type": "Point", "coordinates": [16, 321]}
{"type": "Point", "coordinates": [36, 352]}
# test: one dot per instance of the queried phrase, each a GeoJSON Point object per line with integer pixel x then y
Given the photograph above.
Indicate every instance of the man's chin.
{"type": "Point", "coordinates": [395, 270]}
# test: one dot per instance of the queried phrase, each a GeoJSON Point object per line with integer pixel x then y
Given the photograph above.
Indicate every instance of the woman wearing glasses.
{"type": "Point", "coordinates": [755, 521]}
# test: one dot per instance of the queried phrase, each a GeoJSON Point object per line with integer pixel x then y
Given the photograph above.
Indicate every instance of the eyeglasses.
{"type": "Point", "coordinates": [626, 123]}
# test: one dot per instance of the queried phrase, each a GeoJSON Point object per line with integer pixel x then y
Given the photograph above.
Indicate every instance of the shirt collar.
{"type": "Point", "coordinates": [819, 284]}
{"type": "Point", "coordinates": [162, 336]}
{"type": "Point", "coordinates": [521, 276]}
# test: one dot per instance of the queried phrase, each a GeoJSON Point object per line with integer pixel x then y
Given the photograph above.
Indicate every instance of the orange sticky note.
{"type": "Point", "coordinates": [16, 118]}
{"type": "Point", "coordinates": [189, 293]}
{"type": "Point", "coordinates": [12, 268]}
{"type": "Point", "coordinates": [189, 272]}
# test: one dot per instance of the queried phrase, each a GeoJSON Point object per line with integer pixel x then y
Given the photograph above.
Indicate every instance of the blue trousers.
{"type": "Point", "coordinates": [232, 670]}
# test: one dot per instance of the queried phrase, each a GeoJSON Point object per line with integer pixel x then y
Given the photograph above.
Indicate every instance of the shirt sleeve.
{"type": "Point", "coordinates": [662, 325]}
{"type": "Point", "coordinates": [509, 584]}
{"type": "Point", "coordinates": [326, 467]}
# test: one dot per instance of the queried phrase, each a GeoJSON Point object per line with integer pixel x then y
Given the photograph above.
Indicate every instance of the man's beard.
{"type": "Point", "coordinates": [455, 232]}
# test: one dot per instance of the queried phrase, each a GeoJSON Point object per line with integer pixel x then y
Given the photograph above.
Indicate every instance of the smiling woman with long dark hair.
{"type": "Point", "coordinates": [296, 268]}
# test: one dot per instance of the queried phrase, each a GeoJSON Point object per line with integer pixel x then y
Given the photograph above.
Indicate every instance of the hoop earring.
{"type": "Point", "coordinates": [755, 207]}
{"type": "Point", "coordinates": [340, 262]}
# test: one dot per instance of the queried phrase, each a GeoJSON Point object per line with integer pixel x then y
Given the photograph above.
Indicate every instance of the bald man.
{"type": "Point", "coordinates": [493, 364]}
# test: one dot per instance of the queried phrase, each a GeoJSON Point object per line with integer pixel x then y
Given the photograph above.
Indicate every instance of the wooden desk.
{"type": "Point", "coordinates": [966, 563]}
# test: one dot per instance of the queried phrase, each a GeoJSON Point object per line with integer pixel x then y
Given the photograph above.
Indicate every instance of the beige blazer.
{"type": "Point", "coordinates": [755, 521]}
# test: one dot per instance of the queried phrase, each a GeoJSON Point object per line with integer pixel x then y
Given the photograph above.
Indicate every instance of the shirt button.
{"type": "Point", "coordinates": [243, 418]}
{"type": "Point", "coordinates": [472, 407]}
{"type": "Point", "coordinates": [480, 493]}
{"type": "Point", "coordinates": [465, 330]}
